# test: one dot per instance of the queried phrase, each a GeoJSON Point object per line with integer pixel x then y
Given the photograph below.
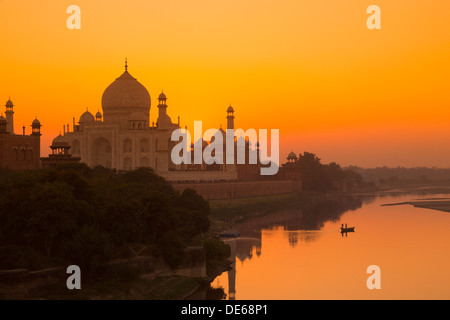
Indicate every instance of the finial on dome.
{"type": "Point", "coordinates": [126, 64]}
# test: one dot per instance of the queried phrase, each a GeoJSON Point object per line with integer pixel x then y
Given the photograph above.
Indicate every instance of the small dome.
{"type": "Point", "coordinates": [292, 156]}
{"type": "Point", "coordinates": [162, 96]}
{"type": "Point", "coordinates": [36, 122]}
{"type": "Point", "coordinates": [59, 138]}
{"type": "Point", "coordinates": [230, 109]}
{"type": "Point", "coordinates": [9, 103]}
{"type": "Point", "coordinates": [138, 116]}
{"type": "Point", "coordinates": [98, 114]}
{"type": "Point", "coordinates": [59, 141]}
{"type": "Point", "coordinates": [87, 117]}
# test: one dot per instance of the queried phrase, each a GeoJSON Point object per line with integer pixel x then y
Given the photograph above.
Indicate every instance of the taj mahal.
{"type": "Point", "coordinates": [122, 137]}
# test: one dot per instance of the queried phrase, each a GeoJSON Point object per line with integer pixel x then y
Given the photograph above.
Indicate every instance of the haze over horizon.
{"type": "Point", "coordinates": [311, 69]}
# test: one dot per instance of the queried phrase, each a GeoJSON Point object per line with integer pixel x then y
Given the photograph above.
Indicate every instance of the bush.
{"type": "Point", "coordinates": [15, 257]}
{"type": "Point", "coordinates": [216, 249]}
{"type": "Point", "coordinates": [171, 249]}
{"type": "Point", "coordinates": [89, 249]}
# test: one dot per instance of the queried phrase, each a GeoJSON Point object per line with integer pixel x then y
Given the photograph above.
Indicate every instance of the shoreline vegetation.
{"type": "Point", "coordinates": [93, 217]}
{"type": "Point", "coordinates": [240, 209]}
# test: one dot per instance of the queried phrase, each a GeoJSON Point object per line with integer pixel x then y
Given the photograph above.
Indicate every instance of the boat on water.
{"type": "Point", "coordinates": [345, 230]}
{"type": "Point", "coordinates": [231, 234]}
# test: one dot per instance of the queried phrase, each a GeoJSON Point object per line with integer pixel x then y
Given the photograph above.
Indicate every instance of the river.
{"type": "Point", "coordinates": [300, 253]}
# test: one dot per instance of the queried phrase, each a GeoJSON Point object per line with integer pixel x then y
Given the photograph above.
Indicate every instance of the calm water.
{"type": "Point", "coordinates": [300, 253]}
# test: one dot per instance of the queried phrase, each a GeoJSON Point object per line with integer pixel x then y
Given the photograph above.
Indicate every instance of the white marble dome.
{"type": "Point", "coordinates": [125, 96]}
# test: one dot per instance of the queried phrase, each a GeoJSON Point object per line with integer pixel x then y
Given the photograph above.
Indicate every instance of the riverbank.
{"type": "Point", "coordinates": [413, 189]}
{"type": "Point", "coordinates": [236, 209]}
{"type": "Point", "coordinates": [120, 285]}
{"type": "Point", "coordinates": [159, 288]}
{"type": "Point", "coordinates": [140, 278]}
{"type": "Point", "coordinates": [236, 214]}
{"type": "Point", "coordinates": [439, 204]}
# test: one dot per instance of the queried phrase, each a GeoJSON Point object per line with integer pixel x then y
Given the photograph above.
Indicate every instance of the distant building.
{"type": "Point", "coordinates": [18, 152]}
{"type": "Point", "coordinates": [60, 154]}
{"type": "Point", "coordinates": [290, 169]}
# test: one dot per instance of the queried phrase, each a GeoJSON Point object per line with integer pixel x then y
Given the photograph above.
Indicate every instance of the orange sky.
{"type": "Point", "coordinates": [309, 68]}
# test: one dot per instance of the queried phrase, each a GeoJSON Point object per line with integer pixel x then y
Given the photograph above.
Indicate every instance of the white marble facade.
{"type": "Point", "coordinates": [123, 138]}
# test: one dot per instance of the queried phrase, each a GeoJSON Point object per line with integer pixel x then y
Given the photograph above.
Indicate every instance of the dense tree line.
{"type": "Point", "coordinates": [83, 216]}
{"type": "Point", "coordinates": [386, 174]}
{"type": "Point", "coordinates": [320, 177]}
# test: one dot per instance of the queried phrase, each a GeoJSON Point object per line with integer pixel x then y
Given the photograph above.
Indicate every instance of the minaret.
{"type": "Point", "coordinates": [36, 128]}
{"type": "Point", "coordinates": [10, 116]}
{"type": "Point", "coordinates": [232, 272]}
{"type": "Point", "coordinates": [162, 106]}
{"type": "Point", "coordinates": [230, 118]}
{"type": "Point", "coordinates": [164, 122]}
{"type": "Point", "coordinates": [230, 126]}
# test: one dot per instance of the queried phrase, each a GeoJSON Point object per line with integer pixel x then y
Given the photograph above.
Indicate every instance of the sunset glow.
{"type": "Point", "coordinates": [309, 68]}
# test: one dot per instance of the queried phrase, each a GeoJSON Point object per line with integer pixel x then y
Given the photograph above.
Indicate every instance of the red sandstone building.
{"type": "Point", "coordinates": [18, 152]}
{"type": "Point", "coordinates": [60, 154]}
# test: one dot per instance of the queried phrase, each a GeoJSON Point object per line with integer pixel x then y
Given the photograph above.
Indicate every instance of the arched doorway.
{"type": "Point", "coordinates": [127, 146]}
{"type": "Point", "coordinates": [145, 162]}
{"type": "Point", "coordinates": [127, 163]}
{"type": "Point", "coordinates": [76, 147]}
{"type": "Point", "coordinates": [101, 153]}
{"type": "Point", "coordinates": [144, 146]}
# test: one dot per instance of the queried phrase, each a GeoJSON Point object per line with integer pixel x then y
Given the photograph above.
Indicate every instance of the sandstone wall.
{"type": "Point", "coordinates": [241, 189]}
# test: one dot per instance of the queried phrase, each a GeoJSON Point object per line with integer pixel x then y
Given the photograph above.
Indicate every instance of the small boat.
{"type": "Point", "coordinates": [344, 230]}
{"type": "Point", "coordinates": [232, 234]}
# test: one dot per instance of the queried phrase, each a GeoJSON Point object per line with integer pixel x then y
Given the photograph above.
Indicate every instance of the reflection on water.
{"type": "Point", "coordinates": [310, 217]}
{"type": "Point", "coordinates": [301, 254]}
{"type": "Point", "coordinates": [241, 250]}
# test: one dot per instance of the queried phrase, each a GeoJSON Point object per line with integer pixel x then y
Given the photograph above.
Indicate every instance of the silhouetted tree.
{"type": "Point", "coordinates": [80, 214]}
